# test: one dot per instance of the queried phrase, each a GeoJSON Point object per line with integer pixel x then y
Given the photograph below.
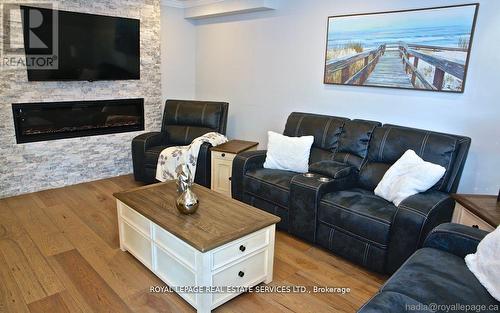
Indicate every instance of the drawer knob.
{"type": "Point", "coordinates": [475, 226]}
{"type": "Point", "coordinates": [241, 274]}
{"type": "Point", "coordinates": [230, 178]}
{"type": "Point", "coordinates": [223, 155]}
{"type": "Point", "coordinates": [242, 248]}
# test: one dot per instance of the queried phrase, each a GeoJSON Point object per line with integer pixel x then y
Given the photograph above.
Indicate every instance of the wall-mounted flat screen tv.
{"type": "Point", "coordinates": [83, 46]}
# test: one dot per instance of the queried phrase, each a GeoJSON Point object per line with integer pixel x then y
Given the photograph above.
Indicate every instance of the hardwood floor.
{"type": "Point", "coordinates": [59, 252]}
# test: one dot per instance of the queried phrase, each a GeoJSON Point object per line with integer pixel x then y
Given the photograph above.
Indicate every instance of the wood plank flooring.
{"type": "Point", "coordinates": [59, 252]}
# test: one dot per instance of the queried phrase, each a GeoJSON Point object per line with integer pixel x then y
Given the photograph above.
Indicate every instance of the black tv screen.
{"type": "Point", "coordinates": [85, 46]}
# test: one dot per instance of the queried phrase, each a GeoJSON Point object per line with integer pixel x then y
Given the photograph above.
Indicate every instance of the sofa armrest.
{"type": "Point", "coordinates": [139, 146]}
{"type": "Point", "coordinates": [243, 162]}
{"type": "Point", "coordinates": [455, 238]}
{"type": "Point", "coordinates": [416, 216]}
{"type": "Point", "coordinates": [393, 302]}
{"type": "Point", "coordinates": [305, 196]}
{"type": "Point", "coordinates": [204, 165]}
{"type": "Point", "coordinates": [148, 140]}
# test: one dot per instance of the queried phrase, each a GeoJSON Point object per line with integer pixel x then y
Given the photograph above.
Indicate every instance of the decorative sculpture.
{"type": "Point", "coordinates": [187, 202]}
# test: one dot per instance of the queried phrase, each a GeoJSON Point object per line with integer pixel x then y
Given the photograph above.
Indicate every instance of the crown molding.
{"type": "Point", "coordinates": [187, 3]}
{"type": "Point", "coordinates": [228, 7]}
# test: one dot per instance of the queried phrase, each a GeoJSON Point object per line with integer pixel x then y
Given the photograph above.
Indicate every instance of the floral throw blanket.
{"type": "Point", "coordinates": [172, 157]}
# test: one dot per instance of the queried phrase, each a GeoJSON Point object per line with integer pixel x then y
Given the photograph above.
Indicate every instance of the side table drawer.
{"type": "Point", "coordinates": [223, 155]}
{"type": "Point", "coordinates": [469, 219]}
{"type": "Point", "coordinates": [240, 249]}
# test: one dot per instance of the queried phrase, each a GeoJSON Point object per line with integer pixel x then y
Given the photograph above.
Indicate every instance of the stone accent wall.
{"type": "Point", "coordinates": [44, 165]}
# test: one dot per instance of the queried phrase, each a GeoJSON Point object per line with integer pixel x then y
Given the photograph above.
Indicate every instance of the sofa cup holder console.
{"type": "Point", "coordinates": [319, 178]}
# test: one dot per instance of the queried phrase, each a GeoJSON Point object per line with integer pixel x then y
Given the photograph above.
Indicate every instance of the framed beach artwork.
{"type": "Point", "coordinates": [420, 49]}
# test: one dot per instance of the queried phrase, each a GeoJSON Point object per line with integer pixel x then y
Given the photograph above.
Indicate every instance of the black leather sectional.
{"type": "Point", "coordinates": [436, 274]}
{"type": "Point", "coordinates": [341, 213]}
{"type": "Point", "coordinates": [183, 121]}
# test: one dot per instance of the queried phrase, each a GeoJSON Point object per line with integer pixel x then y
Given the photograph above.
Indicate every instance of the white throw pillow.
{"type": "Point", "coordinates": [408, 176]}
{"type": "Point", "coordinates": [288, 153]}
{"type": "Point", "coordinates": [485, 263]}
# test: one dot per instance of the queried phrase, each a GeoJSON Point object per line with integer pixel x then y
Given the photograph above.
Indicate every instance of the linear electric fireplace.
{"type": "Point", "coordinates": [56, 120]}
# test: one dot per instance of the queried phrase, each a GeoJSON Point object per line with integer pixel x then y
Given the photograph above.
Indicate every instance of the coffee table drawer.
{"type": "Point", "coordinates": [244, 274]}
{"type": "Point", "coordinates": [135, 219]}
{"type": "Point", "coordinates": [240, 249]}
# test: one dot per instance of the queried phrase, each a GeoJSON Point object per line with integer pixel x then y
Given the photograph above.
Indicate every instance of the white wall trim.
{"type": "Point", "coordinates": [223, 8]}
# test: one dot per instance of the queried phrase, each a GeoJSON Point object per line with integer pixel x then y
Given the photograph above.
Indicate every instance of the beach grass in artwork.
{"type": "Point", "coordinates": [425, 49]}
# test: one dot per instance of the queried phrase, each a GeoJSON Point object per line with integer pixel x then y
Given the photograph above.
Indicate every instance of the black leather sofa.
{"type": "Point", "coordinates": [343, 215]}
{"type": "Point", "coordinates": [182, 122]}
{"type": "Point", "coordinates": [435, 278]}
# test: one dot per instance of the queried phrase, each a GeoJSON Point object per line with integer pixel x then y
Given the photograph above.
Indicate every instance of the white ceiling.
{"type": "Point", "coordinates": [187, 3]}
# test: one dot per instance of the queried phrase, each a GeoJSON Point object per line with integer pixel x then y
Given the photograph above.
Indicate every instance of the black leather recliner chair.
{"type": "Point", "coordinates": [182, 122]}
{"type": "Point", "coordinates": [343, 214]}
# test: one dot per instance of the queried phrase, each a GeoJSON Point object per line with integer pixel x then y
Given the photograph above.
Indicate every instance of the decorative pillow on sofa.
{"type": "Point", "coordinates": [408, 176]}
{"type": "Point", "coordinates": [485, 263]}
{"type": "Point", "coordinates": [288, 153]}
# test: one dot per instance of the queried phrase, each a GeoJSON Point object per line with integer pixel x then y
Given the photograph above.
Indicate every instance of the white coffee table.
{"type": "Point", "coordinates": [226, 243]}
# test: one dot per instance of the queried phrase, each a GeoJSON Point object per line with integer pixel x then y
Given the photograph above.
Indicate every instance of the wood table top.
{"type": "Point", "coordinates": [484, 206]}
{"type": "Point", "coordinates": [218, 220]}
{"type": "Point", "coordinates": [235, 146]}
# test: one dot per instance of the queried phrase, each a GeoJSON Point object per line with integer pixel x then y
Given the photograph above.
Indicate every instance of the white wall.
{"type": "Point", "coordinates": [178, 51]}
{"type": "Point", "coordinates": [269, 64]}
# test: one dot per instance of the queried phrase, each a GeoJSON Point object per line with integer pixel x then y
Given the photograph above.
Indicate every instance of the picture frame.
{"type": "Point", "coordinates": [416, 49]}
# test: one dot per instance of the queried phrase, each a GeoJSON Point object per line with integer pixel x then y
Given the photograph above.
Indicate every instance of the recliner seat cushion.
{"type": "Point", "coordinates": [269, 184]}
{"type": "Point", "coordinates": [435, 276]}
{"type": "Point", "coordinates": [359, 212]}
